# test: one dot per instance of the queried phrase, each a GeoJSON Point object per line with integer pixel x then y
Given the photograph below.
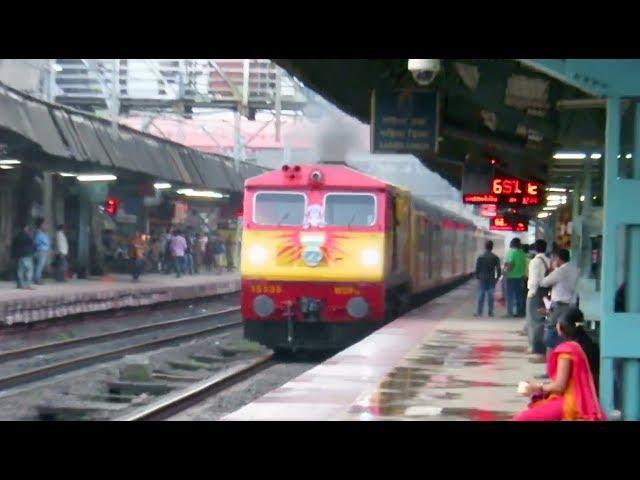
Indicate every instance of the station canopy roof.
{"type": "Point", "coordinates": [68, 138]}
{"type": "Point", "coordinates": [521, 115]}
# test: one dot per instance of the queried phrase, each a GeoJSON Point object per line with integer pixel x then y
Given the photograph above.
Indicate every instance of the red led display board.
{"type": "Point", "coordinates": [501, 223]}
{"type": "Point", "coordinates": [479, 198]}
{"type": "Point", "coordinates": [507, 191]}
{"type": "Point", "coordinates": [513, 186]}
{"type": "Point", "coordinates": [521, 226]}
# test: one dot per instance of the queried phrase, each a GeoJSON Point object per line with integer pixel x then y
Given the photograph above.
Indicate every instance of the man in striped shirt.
{"type": "Point", "coordinates": [538, 268]}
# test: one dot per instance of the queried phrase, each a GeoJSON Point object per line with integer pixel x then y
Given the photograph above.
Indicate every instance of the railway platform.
{"type": "Point", "coordinates": [435, 363]}
{"type": "Point", "coordinates": [54, 300]}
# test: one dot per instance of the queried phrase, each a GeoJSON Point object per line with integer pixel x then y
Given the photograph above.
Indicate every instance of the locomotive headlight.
{"type": "Point", "coordinates": [370, 257]}
{"type": "Point", "coordinates": [312, 256]}
{"type": "Point", "coordinates": [257, 254]}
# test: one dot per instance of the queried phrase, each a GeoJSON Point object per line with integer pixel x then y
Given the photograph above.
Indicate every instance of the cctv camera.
{"type": "Point", "coordinates": [424, 71]}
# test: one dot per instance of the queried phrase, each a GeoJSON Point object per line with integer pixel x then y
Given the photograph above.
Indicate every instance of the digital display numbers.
{"type": "Point", "coordinates": [507, 191]}
{"type": "Point", "coordinates": [501, 223]}
{"type": "Point", "coordinates": [513, 186]}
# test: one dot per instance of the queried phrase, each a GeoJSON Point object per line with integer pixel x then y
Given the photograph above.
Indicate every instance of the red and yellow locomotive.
{"type": "Point", "coordinates": [329, 254]}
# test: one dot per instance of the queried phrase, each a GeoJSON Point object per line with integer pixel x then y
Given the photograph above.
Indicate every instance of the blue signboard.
{"type": "Point", "coordinates": [404, 122]}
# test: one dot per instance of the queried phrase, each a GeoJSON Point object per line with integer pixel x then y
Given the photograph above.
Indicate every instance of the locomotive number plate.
{"type": "Point", "coordinates": [266, 289]}
{"type": "Point", "coordinates": [346, 291]}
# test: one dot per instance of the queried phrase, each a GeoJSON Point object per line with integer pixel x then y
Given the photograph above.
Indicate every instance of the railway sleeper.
{"type": "Point", "coordinates": [137, 388]}
{"type": "Point", "coordinates": [204, 358]}
{"type": "Point", "coordinates": [161, 375]}
{"type": "Point", "coordinates": [72, 409]}
{"type": "Point", "coordinates": [192, 365]}
{"type": "Point", "coordinates": [113, 398]}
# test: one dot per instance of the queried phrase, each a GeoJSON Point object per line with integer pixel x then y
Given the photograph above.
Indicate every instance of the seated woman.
{"type": "Point", "coordinates": [572, 394]}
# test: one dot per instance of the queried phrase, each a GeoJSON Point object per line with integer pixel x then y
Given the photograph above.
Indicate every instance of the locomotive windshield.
{"type": "Point", "coordinates": [279, 208]}
{"type": "Point", "coordinates": [350, 209]}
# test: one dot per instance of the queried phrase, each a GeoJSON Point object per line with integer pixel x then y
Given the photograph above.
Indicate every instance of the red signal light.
{"type": "Point", "coordinates": [111, 206]}
{"type": "Point", "coordinates": [493, 161]}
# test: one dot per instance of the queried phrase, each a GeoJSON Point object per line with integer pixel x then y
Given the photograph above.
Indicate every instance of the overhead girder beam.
{"type": "Point", "coordinates": [599, 77]}
{"type": "Point", "coordinates": [588, 104]}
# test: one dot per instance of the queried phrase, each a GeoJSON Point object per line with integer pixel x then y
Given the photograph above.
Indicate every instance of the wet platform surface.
{"type": "Point", "coordinates": [54, 300]}
{"type": "Point", "coordinates": [436, 363]}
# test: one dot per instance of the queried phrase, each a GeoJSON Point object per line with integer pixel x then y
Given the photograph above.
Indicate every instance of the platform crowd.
{"type": "Point", "coordinates": [176, 251]}
{"type": "Point", "coordinates": [181, 253]}
{"type": "Point", "coordinates": [31, 252]}
{"type": "Point", "coordinates": [544, 285]}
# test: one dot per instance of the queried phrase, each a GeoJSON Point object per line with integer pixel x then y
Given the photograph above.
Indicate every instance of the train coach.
{"type": "Point", "coordinates": [329, 254]}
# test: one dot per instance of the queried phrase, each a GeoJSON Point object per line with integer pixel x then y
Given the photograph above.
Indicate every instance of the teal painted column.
{"type": "Point", "coordinates": [631, 368]}
{"type": "Point", "coordinates": [585, 213]}
{"type": "Point", "coordinates": [620, 331]}
{"type": "Point", "coordinates": [577, 229]}
{"type": "Point", "coordinates": [608, 277]}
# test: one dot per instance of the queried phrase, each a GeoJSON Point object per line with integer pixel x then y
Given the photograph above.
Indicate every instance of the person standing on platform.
{"type": "Point", "coordinates": [208, 254]}
{"type": "Point", "coordinates": [219, 253]}
{"type": "Point", "coordinates": [155, 254]}
{"type": "Point", "coordinates": [563, 281]}
{"type": "Point", "coordinates": [538, 268]}
{"type": "Point", "coordinates": [514, 273]}
{"type": "Point", "coordinates": [62, 250]}
{"type": "Point", "coordinates": [43, 246]}
{"type": "Point", "coordinates": [229, 253]}
{"type": "Point", "coordinates": [178, 246]}
{"type": "Point", "coordinates": [487, 273]}
{"type": "Point", "coordinates": [165, 251]}
{"type": "Point", "coordinates": [526, 249]}
{"type": "Point", "coordinates": [22, 250]}
{"type": "Point", "coordinates": [136, 252]}
{"type": "Point", "coordinates": [200, 245]}
{"type": "Point", "coordinates": [188, 253]}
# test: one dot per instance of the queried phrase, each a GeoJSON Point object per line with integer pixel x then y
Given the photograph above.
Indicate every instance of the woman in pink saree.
{"type": "Point", "coordinates": [571, 394]}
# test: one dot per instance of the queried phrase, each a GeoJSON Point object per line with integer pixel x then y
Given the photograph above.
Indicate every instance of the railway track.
{"type": "Point", "coordinates": [180, 400]}
{"type": "Point", "coordinates": [31, 375]}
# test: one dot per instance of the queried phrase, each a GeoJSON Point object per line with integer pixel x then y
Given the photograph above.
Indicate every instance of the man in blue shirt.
{"type": "Point", "coordinates": [22, 249]}
{"type": "Point", "coordinates": [219, 253]}
{"type": "Point", "coordinates": [43, 245]}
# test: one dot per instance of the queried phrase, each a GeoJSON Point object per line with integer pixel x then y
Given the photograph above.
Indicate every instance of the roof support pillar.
{"type": "Point", "coordinates": [577, 225]}
{"type": "Point", "coordinates": [612, 147]}
{"type": "Point", "coordinates": [585, 190]}
{"type": "Point", "coordinates": [47, 200]}
{"type": "Point", "coordinates": [278, 101]}
{"type": "Point", "coordinates": [84, 220]}
{"type": "Point", "coordinates": [237, 139]}
{"type": "Point", "coordinates": [620, 259]}
{"type": "Point", "coordinates": [631, 372]}
{"type": "Point", "coordinates": [115, 94]}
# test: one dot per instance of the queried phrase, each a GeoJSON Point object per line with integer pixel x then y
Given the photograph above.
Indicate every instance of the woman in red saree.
{"type": "Point", "coordinates": [571, 395]}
